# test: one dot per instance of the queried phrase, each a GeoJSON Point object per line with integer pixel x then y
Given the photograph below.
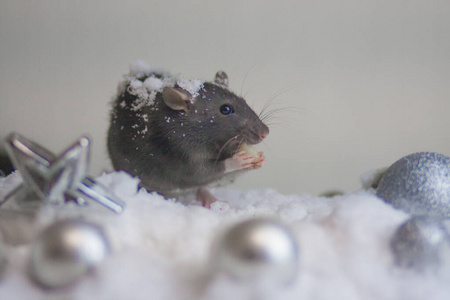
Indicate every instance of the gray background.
{"type": "Point", "coordinates": [366, 82]}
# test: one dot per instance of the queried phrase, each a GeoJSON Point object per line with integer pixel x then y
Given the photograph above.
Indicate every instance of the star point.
{"type": "Point", "coordinates": [54, 179]}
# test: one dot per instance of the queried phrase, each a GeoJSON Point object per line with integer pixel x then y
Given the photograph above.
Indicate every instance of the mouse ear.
{"type": "Point", "coordinates": [221, 78]}
{"type": "Point", "coordinates": [176, 99]}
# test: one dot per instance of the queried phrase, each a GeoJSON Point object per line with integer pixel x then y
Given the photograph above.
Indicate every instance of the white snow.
{"type": "Point", "coordinates": [153, 84]}
{"type": "Point", "coordinates": [146, 90]}
{"type": "Point", "coordinates": [139, 68]}
{"type": "Point", "coordinates": [137, 88]}
{"type": "Point", "coordinates": [162, 248]}
{"type": "Point", "coordinates": [144, 131]}
{"type": "Point", "coordinates": [192, 86]}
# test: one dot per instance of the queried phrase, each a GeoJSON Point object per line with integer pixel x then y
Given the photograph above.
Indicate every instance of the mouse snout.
{"type": "Point", "coordinates": [256, 134]}
{"type": "Point", "coordinates": [264, 133]}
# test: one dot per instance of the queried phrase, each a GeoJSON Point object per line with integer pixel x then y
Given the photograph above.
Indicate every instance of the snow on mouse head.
{"type": "Point", "coordinates": [211, 111]}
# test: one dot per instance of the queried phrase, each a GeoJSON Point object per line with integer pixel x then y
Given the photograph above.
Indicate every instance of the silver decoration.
{"type": "Point", "coordinates": [420, 243]}
{"type": "Point", "coordinates": [55, 179]}
{"type": "Point", "coordinates": [66, 251]}
{"type": "Point", "coordinates": [418, 184]}
{"type": "Point", "coordinates": [257, 250]}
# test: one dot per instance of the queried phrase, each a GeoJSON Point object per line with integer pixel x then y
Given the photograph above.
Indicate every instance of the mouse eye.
{"type": "Point", "coordinates": [226, 109]}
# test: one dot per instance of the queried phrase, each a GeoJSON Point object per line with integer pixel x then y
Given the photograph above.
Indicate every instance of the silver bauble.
{"type": "Point", "coordinates": [420, 243]}
{"type": "Point", "coordinates": [259, 250]}
{"type": "Point", "coordinates": [65, 251]}
{"type": "Point", "coordinates": [418, 184]}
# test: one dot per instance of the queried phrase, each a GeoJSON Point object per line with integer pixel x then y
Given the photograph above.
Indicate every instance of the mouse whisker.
{"type": "Point", "coordinates": [239, 146]}
{"type": "Point", "coordinates": [275, 120]}
{"type": "Point", "coordinates": [284, 125]}
{"type": "Point", "coordinates": [269, 114]}
{"type": "Point", "coordinates": [272, 99]}
{"type": "Point", "coordinates": [223, 147]}
{"type": "Point", "coordinates": [245, 78]}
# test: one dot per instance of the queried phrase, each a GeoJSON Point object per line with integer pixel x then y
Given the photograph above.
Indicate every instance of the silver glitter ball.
{"type": "Point", "coordinates": [65, 251]}
{"type": "Point", "coordinates": [259, 250]}
{"type": "Point", "coordinates": [420, 243]}
{"type": "Point", "coordinates": [418, 184]}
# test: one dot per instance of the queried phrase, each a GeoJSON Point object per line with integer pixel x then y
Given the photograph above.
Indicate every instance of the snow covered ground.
{"type": "Point", "coordinates": [162, 248]}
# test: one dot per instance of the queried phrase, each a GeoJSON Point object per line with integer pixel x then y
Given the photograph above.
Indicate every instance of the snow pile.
{"type": "Point", "coordinates": [145, 82]}
{"type": "Point", "coordinates": [192, 86]}
{"type": "Point", "coordinates": [146, 91]}
{"type": "Point", "coordinates": [161, 248]}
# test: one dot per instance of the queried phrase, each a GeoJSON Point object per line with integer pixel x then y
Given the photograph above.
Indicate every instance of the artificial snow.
{"type": "Point", "coordinates": [192, 86]}
{"type": "Point", "coordinates": [162, 248]}
{"type": "Point", "coordinates": [139, 68]}
{"type": "Point", "coordinates": [145, 91]}
{"type": "Point", "coordinates": [155, 81]}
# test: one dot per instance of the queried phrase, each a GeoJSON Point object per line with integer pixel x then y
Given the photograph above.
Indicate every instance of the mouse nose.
{"type": "Point", "coordinates": [264, 134]}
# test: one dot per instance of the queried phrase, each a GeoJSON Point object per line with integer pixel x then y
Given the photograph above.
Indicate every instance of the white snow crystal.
{"type": "Point", "coordinates": [192, 86]}
{"type": "Point", "coordinates": [147, 90]}
{"type": "Point", "coordinates": [137, 88]}
{"type": "Point", "coordinates": [139, 68]}
{"type": "Point", "coordinates": [153, 83]}
{"type": "Point", "coordinates": [144, 91]}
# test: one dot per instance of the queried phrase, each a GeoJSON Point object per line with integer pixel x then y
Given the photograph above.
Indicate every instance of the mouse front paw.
{"type": "Point", "coordinates": [259, 160]}
{"type": "Point", "coordinates": [244, 161]}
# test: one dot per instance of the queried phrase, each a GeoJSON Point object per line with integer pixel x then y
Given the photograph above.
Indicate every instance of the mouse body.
{"type": "Point", "coordinates": [180, 135]}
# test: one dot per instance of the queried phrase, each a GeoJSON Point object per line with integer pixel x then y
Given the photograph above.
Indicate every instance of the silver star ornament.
{"type": "Point", "coordinates": [48, 178]}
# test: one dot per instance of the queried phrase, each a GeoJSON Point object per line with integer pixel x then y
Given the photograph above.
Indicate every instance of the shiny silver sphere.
{"type": "Point", "coordinates": [258, 250]}
{"type": "Point", "coordinates": [65, 251]}
{"type": "Point", "coordinates": [420, 243]}
{"type": "Point", "coordinates": [418, 184]}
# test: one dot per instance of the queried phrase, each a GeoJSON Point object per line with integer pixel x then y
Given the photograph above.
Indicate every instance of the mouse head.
{"type": "Point", "coordinates": [216, 114]}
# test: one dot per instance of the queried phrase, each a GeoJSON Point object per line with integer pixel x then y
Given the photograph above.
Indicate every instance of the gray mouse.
{"type": "Point", "coordinates": [180, 136]}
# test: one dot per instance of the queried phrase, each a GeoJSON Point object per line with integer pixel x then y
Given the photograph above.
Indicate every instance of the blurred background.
{"type": "Point", "coordinates": [365, 82]}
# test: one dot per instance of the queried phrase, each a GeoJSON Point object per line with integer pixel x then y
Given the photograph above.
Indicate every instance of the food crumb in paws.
{"type": "Point", "coordinates": [250, 150]}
